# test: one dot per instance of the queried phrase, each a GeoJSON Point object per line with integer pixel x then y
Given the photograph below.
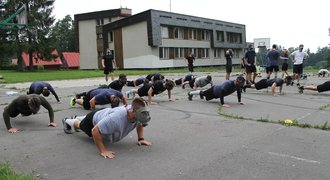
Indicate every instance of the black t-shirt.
{"type": "Point", "coordinates": [190, 59]}
{"type": "Point", "coordinates": [117, 85]}
{"type": "Point", "coordinates": [158, 87]}
{"type": "Point", "coordinates": [108, 60]}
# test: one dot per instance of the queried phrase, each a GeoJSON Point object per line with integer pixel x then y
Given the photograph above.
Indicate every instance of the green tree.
{"type": "Point", "coordinates": [63, 35]}
{"type": "Point", "coordinates": [33, 38]}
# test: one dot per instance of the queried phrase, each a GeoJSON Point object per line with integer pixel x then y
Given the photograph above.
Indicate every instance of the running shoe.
{"type": "Point", "coordinates": [201, 96]}
{"type": "Point", "coordinates": [301, 89]}
{"type": "Point", "coordinates": [72, 102]}
{"type": "Point", "coordinates": [183, 86]}
{"type": "Point", "coordinates": [190, 96]}
{"type": "Point", "coordinates": [66, 127]}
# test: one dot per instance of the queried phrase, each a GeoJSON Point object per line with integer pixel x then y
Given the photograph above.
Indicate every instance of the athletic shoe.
{"type": "Point", "coordinates": [127, 94]}
{"type": "Point", "coordinates": [201, 96]}
{"type": "Point", "coordinates": [292, 83]}
{"type": "Point", "coordinates": [66, 127]}
{"type": "Point", "coordinates": [72, 102]}
{"type": "Point", "coordinates": [183, 87]}
{"type": "Point", "coordinates": [298, 85]}
{"type": "Point", "coordinates": [75, 117]}
{"type": "Point", "coordinates": [301, 89]}
{"type": "Point", "coordinates": [190, 96]}
{"type": "Point", "coordinates": [244, 88]}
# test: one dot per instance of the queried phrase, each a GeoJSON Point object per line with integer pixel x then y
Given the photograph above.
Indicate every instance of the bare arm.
{"type": "Point", "coordinates": [92, 103]}
{"type": "Point", "coordinates": [98, 140]}
{"type": "Point", "coordinates": [150, 96]}
{"type": "Point", "coordinates": [169, 95]}
{"type": "Point", "coordinates": [103, 63]}
{"type": "Point", "coordinates": [141, 141]}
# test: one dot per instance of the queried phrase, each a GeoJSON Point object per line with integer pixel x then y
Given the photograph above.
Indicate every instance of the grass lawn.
{"type": "Point", "coordinates": [6, 172]}
{"type": "Point", "coordinates": [27, 76]}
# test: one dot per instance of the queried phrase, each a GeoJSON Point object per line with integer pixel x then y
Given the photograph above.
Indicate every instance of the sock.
{"type": "Point", "coordinates": [194, 92]}
{"type": "Point", "coordinates": [70, 122]}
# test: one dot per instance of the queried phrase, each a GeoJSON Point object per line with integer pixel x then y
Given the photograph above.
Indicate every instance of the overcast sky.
{"type": "Point", "coordinates": [286, 22]}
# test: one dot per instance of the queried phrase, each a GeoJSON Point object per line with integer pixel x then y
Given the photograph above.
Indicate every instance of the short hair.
{"type": "Point", "coordinates": [209, 78]}
{"type": "Point", "coordinates": [115, 102]}
{"type": "Point", "coordinates": [139, 102]}
{"type": "Point", "coordinates": [274, 46]}
{"type": "Point", "coordinates": [240, 79]}
{"type": "Point", "coordinates": [45, 92]}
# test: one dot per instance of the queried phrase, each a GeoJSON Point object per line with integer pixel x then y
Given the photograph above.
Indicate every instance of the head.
{"type": "Point", "coordinates": [288, 80]}
{"type": "Point", "coordinates": [45, 92]}
{"type": "Point", "coordinates": [240, 81]}
{"type": "Point", "coordinates": [108, 51]}
{"type": "Point", "coordinates": [229, 51]}
{"type": "Point", "coordinates": [34, 104]}
{"type": "Point", "coordinates": [141, 110]}
{"type": "Point", "coordinates": [169, 84]}
{"type": "Point", "coordinates": [301, 47]}
{"type": "Point", "coordinates": [274, 46]}
{"type": "Point", "coordinates": [114, 101]}
{"type": "Point", "coordinates": [123, 78]}
{"type": "Point", "coordinates": [250, 47]}
{"type": "Point", "coordinates": [209, 78]}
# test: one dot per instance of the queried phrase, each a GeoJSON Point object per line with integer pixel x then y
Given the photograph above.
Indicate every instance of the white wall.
{"type": "Point", "coordinates": [87, 44]}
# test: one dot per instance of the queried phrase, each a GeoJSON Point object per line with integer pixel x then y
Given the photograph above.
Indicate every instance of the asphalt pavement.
{"type": "Point", "coordinates": [190, 139]}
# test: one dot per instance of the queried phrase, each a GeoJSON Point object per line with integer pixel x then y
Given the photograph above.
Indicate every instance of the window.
{"type": "Point", "coordinates": [220, 36]}
{"type": "Point", "coordinates": [110, 36]}
{"type": "Point", "coordinates": [234, 37]}
{"type": "Point", "coordinates": [192, 34]}
{"type": "Point", "coordinates": [100, 36]}
{"type": "Point", "coordinates": [164, 32]}
{"type": "Point", "coordinates": [205, 53]}
{"type": "Point", "coordinates": [178, 33]}
{"type": "Point", "coordinates": [178, 53]}
{"type": "Point", "coordinates": [217, 53]}
{"type": "Point", "coordinates": [99, 21]}
{"type": "Point", "coordinates": [164, 53]}
{"type": "Point", "coordinates": [205, 35]}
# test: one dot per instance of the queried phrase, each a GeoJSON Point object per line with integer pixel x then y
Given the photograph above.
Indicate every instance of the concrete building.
{"type": "Point", "coordinates": [158, 39]}
{"type": "Point", "coordinates": [89, 35]}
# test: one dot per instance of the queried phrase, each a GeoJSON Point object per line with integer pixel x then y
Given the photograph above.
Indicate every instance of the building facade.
{"type": "Point", "coordinates": [157, 39]}
{"type": "Point", "coordinates": [89, 35]}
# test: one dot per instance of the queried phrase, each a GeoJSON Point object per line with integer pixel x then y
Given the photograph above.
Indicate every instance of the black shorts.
{"type": "Point", "coordinates": [284, 66]}
{"type": "Point", "coordinates": [250, 69]}
{"type": "Point", "coordinates": [108, 69]}
{"type": "Point", "coordinates": [323, 87]}
{"type": "Point", "coordinates": [298, 69]}
{"type": "Point", "coordinates": [143, 91]}
{"type": "Point", "coordinates": [192, 82]}
{"type": "Point", "coordinates": [262, 84]}
{"type": "Point", "coordinates": [229, 68]}
{"type": "Point", "coordinates": [208, 94]}
{"type": "Point", "coordinates": [86, 124]}
{"type": "Point", "coordinates": [273, 68]}
{"type": "Point", "coordinates": [178, 81]}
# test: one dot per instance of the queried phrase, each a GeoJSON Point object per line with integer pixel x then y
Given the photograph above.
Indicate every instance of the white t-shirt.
{"type": "Point", "coordinates": [299, 57]}
{"type": "Point", "coordinates": [113, 123]}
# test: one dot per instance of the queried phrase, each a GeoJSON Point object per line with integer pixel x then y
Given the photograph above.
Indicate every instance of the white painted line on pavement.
{"type": "Point", "coordinates": [294, 157]}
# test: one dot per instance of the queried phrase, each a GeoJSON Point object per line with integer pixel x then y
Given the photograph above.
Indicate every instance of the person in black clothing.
{"type": "Point", "coordinates": [154, 77]}
{"type": "Point", "coordinates": [273, 83]}
{"type": "Point", "coordinates": [118, 84]}
{"type": "Point", "coordinates": [190, 60]}
{"type": "Point", "coordinates": [320, 88]}
{"type": "Point", "coordinates": [150, 90]}
{"type": "Point", "coordinates": [44, 88]}
{"type": "Point", "coordinates": [250, 61]}
{"type": "Point", "coordinates": [107, 64]}
{"type": "Point", "coordinates": [26, 105]}
{"type": "Point", "coordinates": [185, 80]}
{"type": "Point", "coordinates": [220, 91]}
{"type": "Point", "coordinates": [137, 82]}
{"type": "Point", "coordinates": [229, 65]}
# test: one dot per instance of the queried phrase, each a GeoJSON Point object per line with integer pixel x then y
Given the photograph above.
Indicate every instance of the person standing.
{"type": "Point", "coordinates": [107, 64]}
{"type": "Point", "coordinates": [229, 64]}
{"type": "Point", "coordinates": [190, 60]}
{"type": "Point", "coordinates": [44, 88]}
{"type": "Point", "coordinates": [298, 58]}
{"type": "Point", "coordinates": [285, 64]}
{"type": "Point", "coordinates": [273, 55]}
{"type": "Point", "coordinates": [250, 65]}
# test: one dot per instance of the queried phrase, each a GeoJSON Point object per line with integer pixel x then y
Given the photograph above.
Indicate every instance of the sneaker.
{"type": "Point", "coordinates": [66, 127]}
{"type": "Point", "coordinates": [190, 97]}
{"type": "Point", "coordinates": [75, 117]}
{"type": "Point", "coordinates": [201, 96]}
{"type": "Point", "coordinates": [292, 83]}
{"type": "Point", "coordinates": [72, 102]}
{"type": "Point", "coordinates": [298, 85]}
{"type": "Point", "coordinates": [244, 88]}
{"type": "Point", "coordinates": [301, 89]}
{"type": "Point", "coordinates": [183, 87]}
{"type": "Point", "coordinates": [127, 94]}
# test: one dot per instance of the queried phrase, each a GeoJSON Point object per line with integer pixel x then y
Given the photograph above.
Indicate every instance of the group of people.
{"type": "Point", "coordinates": [116, 122]}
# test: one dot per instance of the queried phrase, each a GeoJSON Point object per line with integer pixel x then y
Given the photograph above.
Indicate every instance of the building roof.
{"type": "Point", "coordinates": [101, 14]}
{"type": "Point", "coordinates": [72, 59]}
{"type": "Point", "coordinates": [39, 62]}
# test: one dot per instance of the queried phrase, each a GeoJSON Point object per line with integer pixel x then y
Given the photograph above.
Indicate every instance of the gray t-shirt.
{"type": "Point", "coordinates": [113, 123]}
{"type": "Point", "coordinates": [202, 81]}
